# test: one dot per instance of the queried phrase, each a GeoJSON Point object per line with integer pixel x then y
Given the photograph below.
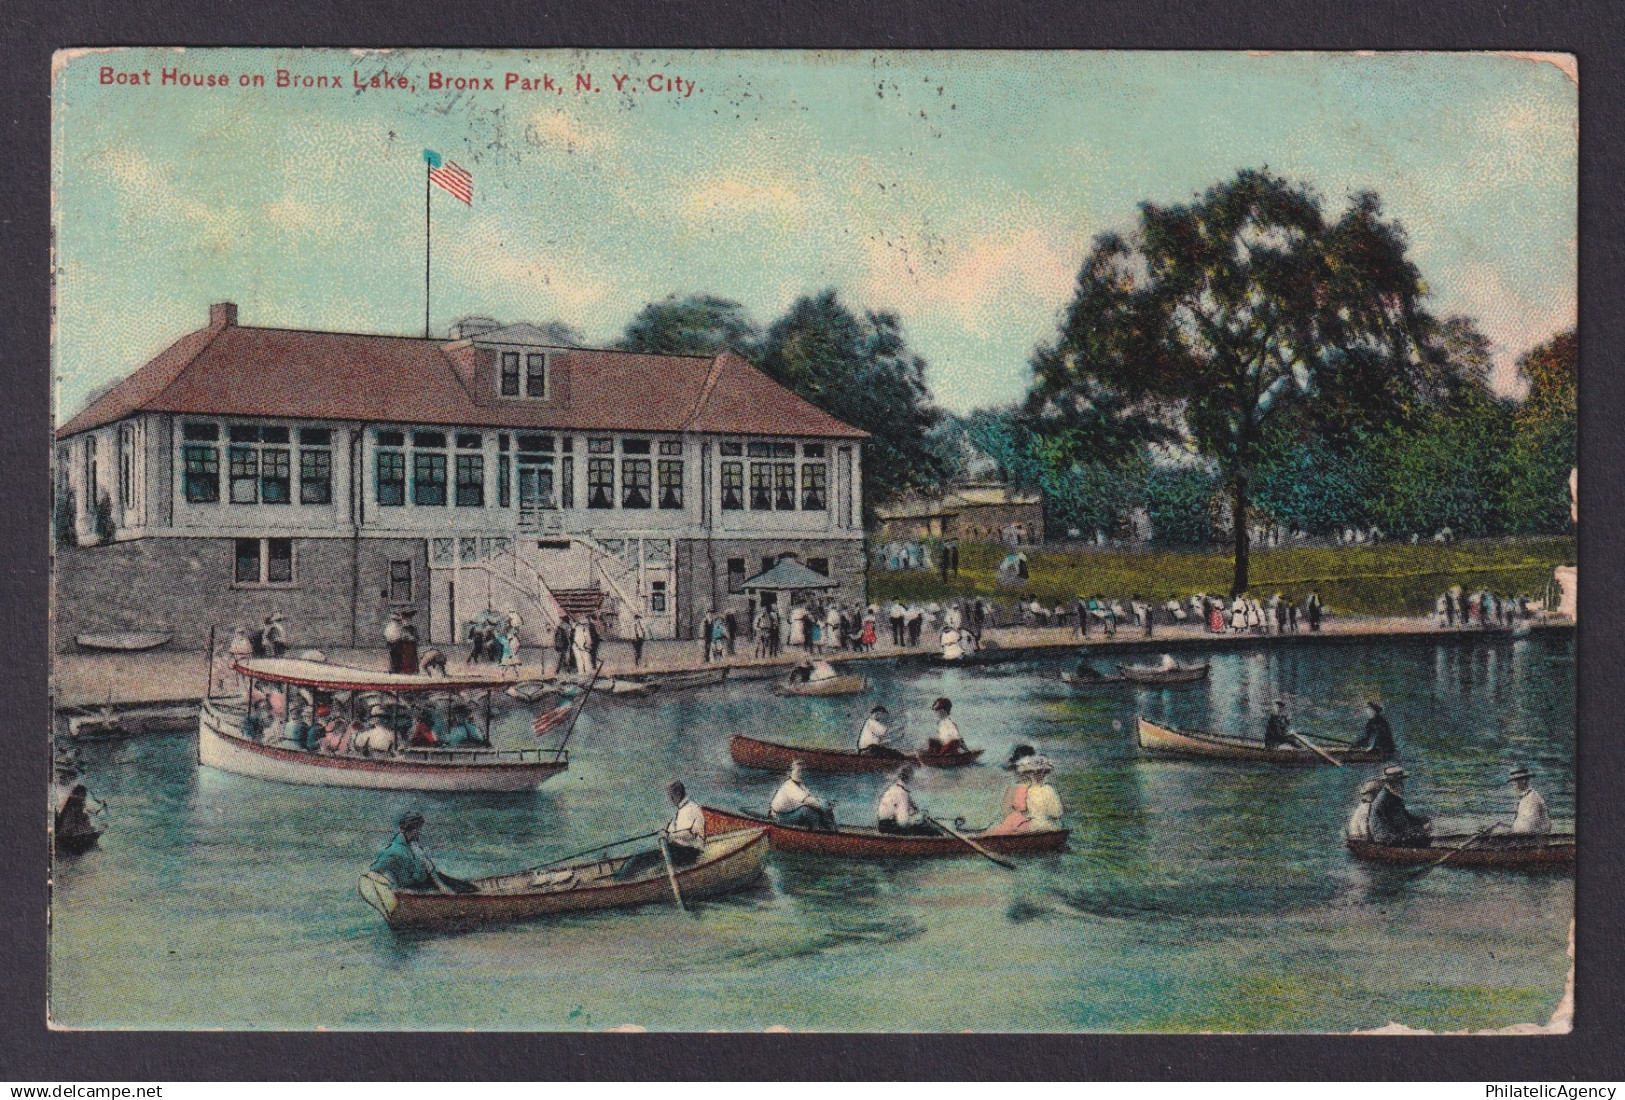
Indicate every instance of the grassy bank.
{"type": "Point", "coordinates": [1367, 580]}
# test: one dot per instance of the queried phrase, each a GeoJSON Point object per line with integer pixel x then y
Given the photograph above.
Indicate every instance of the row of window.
{"type": "Point", "coordinates": [259, 464]}
{"type": "Point", "coordinates": [773, 486]}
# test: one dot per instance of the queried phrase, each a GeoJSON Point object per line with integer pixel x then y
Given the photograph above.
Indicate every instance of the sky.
{"type": "Point", "coordinates": [958, 190]}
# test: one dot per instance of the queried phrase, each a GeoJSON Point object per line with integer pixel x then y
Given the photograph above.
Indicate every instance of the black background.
{"type": "Point", "coordinates": [30, 30]}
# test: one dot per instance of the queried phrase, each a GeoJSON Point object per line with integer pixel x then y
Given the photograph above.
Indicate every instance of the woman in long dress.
{"type": "Point", "coordinates": [1031, 805]}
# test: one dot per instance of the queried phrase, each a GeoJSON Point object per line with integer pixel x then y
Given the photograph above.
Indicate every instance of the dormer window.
{"type": "Point", "coordinates": [523, 374]}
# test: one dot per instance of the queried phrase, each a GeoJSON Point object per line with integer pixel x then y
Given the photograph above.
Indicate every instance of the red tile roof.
{"type": "Point", "coordinates": [231, 370]}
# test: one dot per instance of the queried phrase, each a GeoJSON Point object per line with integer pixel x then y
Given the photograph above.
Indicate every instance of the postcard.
{"type": "Point", "coordinates": [573, 540]}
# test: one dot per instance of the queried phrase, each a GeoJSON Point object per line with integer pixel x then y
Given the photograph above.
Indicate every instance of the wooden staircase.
{"type": "Point", "coordinates": [579, 602]}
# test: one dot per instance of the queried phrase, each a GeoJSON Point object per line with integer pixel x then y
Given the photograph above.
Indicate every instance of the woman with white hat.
{"type": "Point", "coordinates": [1031, 805]}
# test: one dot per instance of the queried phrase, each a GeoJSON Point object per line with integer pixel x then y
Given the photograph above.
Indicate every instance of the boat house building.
{"type": "Point", "coordinates": [337, 477]}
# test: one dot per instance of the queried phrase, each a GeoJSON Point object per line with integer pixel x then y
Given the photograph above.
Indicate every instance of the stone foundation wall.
{"type": "Point", "coordinates": [702, 575]}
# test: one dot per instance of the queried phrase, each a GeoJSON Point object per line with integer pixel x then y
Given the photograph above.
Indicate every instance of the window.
{"type": "Point", "coordinates": [263, 561]}
{"type": "Point", "coordinates": [784, 486]}
{"type": "Point", "coordinates": [435, 440]}
{"type": "Point", "coordinates": [733, 486]}
{"type": "Point", "coordinates": [391, 477]}
{"type": "Point", "coordinates": [671, 483]}
{"type": "Point", "coordinates": [315, 475]}
{"type": "Point", "coordinates": [504, 478]}
{"type": "Point", "coordinates": [761, 486]}
{"type": "Point", "coordinates": [635, 482]}
{"type": "Point", "coordinates": [634, 446]}
{"type": "Point", "coordinates": [126, 466]}
{"type": "Point", "coordinates": [201, 477]}
{"type": "Point", "coordinates": [469, 441]}
{"type": "Point", "coordinates": [510, 374]}
{"type": "Point", "coordinates": [769, 562]}
{"type": "Point", "coordinates": [759, 450]}
{"type": "Point", "coordinates": [536, 375]}
{"type": "Point", "coordinates": [567, 444]}
{"type": "Point", "coordinates": [400, 582]}
{"type": "Point", "coordinates": [391, 439]}
{"type": "Point", "coordinates": [812, 450]}
{"type": "Point", "coordinates": [819, 566]}
{"type": "Point", "coordinates": [728, 448]}
{"type": "Point", "coordinates": [470, 481]}
{"type": "Point", "coordinates": [92, 489]}
{"type": "Point", "coordinates": [428, 478]}
{"type": "Point", "coordinates": [542, 444]}
{"type": "Point", "coordinates": [245, 474]}
{"type": "Point", "coordinates": [275, 476]}
{"type": "Point", "coordinates": [600, 446]}
{"type": "Point", "coordinates": [657, 597]}
{"type": "Point", "coordinates": [200, 433]}
{"type": "Point", "coordinates": [784, 450]}
{"type": "Point", "coordinates": [736, 574]}
{"type": "Point", "coordinates": [814, 487]}
{"type": "Point", "coordinates": [600, 483]}
{"type": "Point", "coordinates": [671, 447]}
{"type": "Point", "coordinates": [567, 480]}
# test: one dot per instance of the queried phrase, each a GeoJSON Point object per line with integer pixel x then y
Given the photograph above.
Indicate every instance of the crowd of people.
{"type": "Point", "coordinates": [1482, 608]}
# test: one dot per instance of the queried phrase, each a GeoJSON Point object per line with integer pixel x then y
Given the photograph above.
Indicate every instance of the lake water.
{"type": "Point", "coordinates": [1194, 896]}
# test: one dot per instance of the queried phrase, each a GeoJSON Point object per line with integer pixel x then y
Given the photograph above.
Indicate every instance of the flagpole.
{"type": "Point", "coordinates": [427, 231]}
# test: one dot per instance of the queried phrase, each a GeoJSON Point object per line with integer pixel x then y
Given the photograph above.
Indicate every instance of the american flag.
{"type": "Point", "coordinates": [453, 179]}
{"type": "Point", "coordinates": [553, 718]}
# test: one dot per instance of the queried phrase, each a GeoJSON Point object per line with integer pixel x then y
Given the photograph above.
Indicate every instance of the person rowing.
{"type": "Point", "coordinates": [1278, 730]}
{"type": "Point", "coordinates": [1392, 823]}
{"type": "Point", "coordinates": [406, 866]}
{"type": "Point", "coordinates": [1378, 735]}
{"type": "Point", "coordinates": [795, 805]}
{"type": "Point", "coordinates": [947, 738]}
{"type": "Point", "coordinates": [875, 737]}
{"type": "Point", "coordinates": [897, 814]}
{"type": "Point", "coordinates": [683, 837]}
{"type": "Point", "coordinates": [1531, 823]}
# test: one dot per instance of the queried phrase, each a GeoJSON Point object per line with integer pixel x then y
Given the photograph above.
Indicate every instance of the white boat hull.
{"type": "Point", "coordinates": [221, 745]}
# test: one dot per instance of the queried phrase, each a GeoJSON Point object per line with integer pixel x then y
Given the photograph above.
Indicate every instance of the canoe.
{"type": "Point", "coordinates": [687, 681]}
{"type": "Point", "coordinates": [857, 843]}
{"type": "Point", "coordinates": [221, 745]}
{"type": "Point", "coordinates": [1156, 674]}
{"type": "Point", "coordinates": [838, 685]}
{"type": "Point", "coordinates": [1556, 854]}
{"type": "Point", "coordinates": [1168, 741]}
{"type": "Point", "coordinates": [122, 641]}
{"type": "Point", "coordinates": [750, 752]}
{"type": "Point", "coordinates": [127, 723]}
{"type": "Point", "coordinates": [731, 862]}
{"type": "Point", "coordinates": [73, 844]}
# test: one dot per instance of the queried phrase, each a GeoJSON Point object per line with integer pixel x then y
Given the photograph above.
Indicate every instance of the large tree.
{"type": "Point", "coordinates": [697, 324]}
{"type": "Point", "coordinates": [1545, 432]}
{"type": "Point", "coordinates": [860, 369]}
{"type": "Point", "coordinates": [1226, 311]}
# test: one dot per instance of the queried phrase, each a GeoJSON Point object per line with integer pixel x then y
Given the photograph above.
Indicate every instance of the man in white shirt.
{"type": "Point", "coordinates": [1532, 820]}
{"type": "Point", "coordinates": [897, 814]}
{"type": "Point", "coordinates": [947, 738]}
{"type": "Point", "coordinates": [874, 739]}
{"type": "Point", "coordinates": [793, 804]}
{"type": "Point", "coordinates": [683, 839]}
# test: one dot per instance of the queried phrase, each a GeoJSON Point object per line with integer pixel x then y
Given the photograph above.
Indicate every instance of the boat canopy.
{"type": "Point", "coordinates": [315, 674]}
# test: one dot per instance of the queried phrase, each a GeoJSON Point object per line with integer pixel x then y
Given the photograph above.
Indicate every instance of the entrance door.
{"type": "Point", "coordinates": [535, 492]}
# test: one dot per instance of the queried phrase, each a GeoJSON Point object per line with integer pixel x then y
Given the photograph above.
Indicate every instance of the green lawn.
{"type": "Point", "coordinates": [1370, 580]}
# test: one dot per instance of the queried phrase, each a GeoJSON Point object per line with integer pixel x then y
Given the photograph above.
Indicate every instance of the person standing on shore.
{"type": "Point", "coordinates": [402, 638]}
{"type": "Point", "coordinates": [563, 638]}
{"type": "Point", "coordinates": [896, 615]}
{"type": "Point", "coordinates": [1313, 607]}
{"type": "Point", "coordinates": [640, 634]}
{"type": "Point", "coordinates": [705, 636]}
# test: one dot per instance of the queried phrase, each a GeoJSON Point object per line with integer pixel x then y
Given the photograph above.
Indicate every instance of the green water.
{"type": "Point", "coordinates": [1194, 896]}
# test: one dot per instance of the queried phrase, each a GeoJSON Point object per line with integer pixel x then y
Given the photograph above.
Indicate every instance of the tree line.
{"type": "Point", "coordinates": [1239, 361]}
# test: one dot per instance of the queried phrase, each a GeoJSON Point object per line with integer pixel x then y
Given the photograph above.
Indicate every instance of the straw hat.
{"type": "Point", "coordinates": [1037, 762]}
{"type": "Point", "coordinates": [1394, 771]}
{"type": "Point", "coordinates": [1517, 773]}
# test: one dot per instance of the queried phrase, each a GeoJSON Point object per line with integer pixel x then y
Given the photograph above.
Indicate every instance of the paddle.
{"type": "Point", "coordinates": [1308, 744]}
{"type": "Point", "coordinates": [588, 852]}
{"type": "Point", "coordinates": [671, 875]}
{"type": "Point", "coordinates": [1474, 839]}
{"type": "Point", "coordinates": [968, 842]}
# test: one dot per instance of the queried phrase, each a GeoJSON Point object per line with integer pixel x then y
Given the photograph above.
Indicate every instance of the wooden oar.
{"type": "Point", "coordinates": [1474, 839]}
{"type": "Point", "coordinates": [1308, 744]}
{"type": "Point", "coordinates": [968, 842]}
{"type": "Point", "coordinates": [589, 851]}
{"type": "Point", "coordinates": [671, 875]}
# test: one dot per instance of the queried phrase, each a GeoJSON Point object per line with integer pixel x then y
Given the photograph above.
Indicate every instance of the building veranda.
{"type": "Point", "coordinates": [338, 477]}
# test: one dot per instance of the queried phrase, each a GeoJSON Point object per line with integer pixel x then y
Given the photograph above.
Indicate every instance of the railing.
{"type": "Point", "coordinates": [523, 579]}
{"type": "Point", "coordinates": [601, 557]}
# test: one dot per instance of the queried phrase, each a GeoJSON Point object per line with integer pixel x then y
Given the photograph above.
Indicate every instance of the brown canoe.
{"type": "Point", "coordinates": [749, 752]}
{"type": "Point", "coordinates": [1556, 854]}
{"type": "Point", "coordinates": [1157, 674]}
{"type": "Point", "coordinates": [1168, 741]}
{"type": "Point", "coordinates": [731, 862]}
{"type": "Point", "coordinates": [857, 843]}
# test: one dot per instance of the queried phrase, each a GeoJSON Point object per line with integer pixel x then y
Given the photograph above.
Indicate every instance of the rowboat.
{"type": "Point", "coordinates": [1083, 683]}
{"type": "Point", "coordinates": [750, 752]}
{"type": "Point", "coordinates": [76, 843]}
{"type": "Point", "coordinates": [858, 843]}
{"type": "Point", "coordinates": [731, 862]}
{"type": "Point", "coordinates": [109, 723]}
{"type": "Point", "coordinates": [1556, 853]}
{"type": "Point", "coordinates": [1168, 741]}
{"type": "Point", "coordinates": [1160, 674]}
{"type": "Point", "coordinates": [275, 683]}
{"type": "Point", "coordinates": [122, 641]}
{"type": "Point", "coordinates": [835, 685]}
{"type": "Point", "coordinates": [688, 681]}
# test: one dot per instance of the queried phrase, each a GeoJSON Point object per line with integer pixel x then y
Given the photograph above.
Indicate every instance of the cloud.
{"type": "Point", "coordinates": [976, 283]}
{"type": "Point", "coordinates": [566, 131]}
{"type": "Point", "coordinates": [732, 197]}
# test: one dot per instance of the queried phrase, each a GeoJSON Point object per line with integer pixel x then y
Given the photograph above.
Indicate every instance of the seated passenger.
{"type": "Point", "coordinates": [461, 729]}
{"type": "Point", "coordinates": [422, 735]}
{"type": "Point", "coordinates": [947, 739]}
{"type": "Point", "coordinates": [874, 739]}
{"type": "Point", "coordinates": [377, 739]}
{"type": "Point", "coordinates": [897, 814]}
{"type": "Point", "coordinates": [795, 805]}
{"type": "Point", "coordinates": [1032, 804]}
